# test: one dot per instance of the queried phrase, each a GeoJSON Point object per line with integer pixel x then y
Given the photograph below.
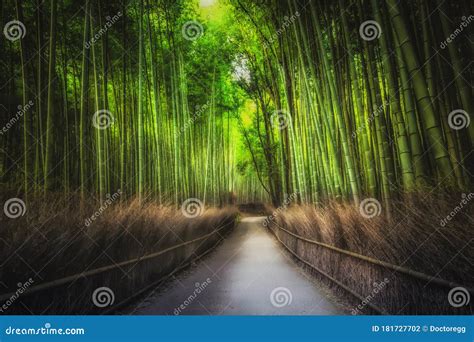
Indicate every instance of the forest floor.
{"type": "Point", "coordinates": [249, 274]}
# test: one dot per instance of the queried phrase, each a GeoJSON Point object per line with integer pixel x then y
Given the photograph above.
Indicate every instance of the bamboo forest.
{"type": "Point", "coordinates": [132, 127]}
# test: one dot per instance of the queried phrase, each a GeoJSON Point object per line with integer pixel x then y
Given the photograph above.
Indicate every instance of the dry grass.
{"type": "Point", "coordinates": [414, 239]}
{"type": "Point", "coordinates": [52, 241]}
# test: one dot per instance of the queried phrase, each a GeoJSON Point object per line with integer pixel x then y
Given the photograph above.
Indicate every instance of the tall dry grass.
{"type": "Point", "coordinates": [414, 238]}
{"type": "Point", "coordinates": [52, 241]}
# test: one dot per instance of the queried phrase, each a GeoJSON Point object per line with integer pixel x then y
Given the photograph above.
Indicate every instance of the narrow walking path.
{"type": "Point", "coordinates": [248, 274]}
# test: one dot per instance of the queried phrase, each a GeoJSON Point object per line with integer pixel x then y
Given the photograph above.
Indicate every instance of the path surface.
{"type": "Point", "coordinates": [243, 272]}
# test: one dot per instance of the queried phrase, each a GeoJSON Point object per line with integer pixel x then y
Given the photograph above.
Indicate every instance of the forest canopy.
{"type": "Point", "coordinates": [168, 100]}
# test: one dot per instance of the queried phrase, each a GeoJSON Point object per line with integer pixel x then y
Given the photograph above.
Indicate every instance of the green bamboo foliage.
{"type": "Point", "coordinates": [366, 120]}
{"type": "Point", "coordinates": [50, 105]}
{"type": "Point", "coordinates": [152, 140]}
{"type": "Point", "coordinates": [317, 108]}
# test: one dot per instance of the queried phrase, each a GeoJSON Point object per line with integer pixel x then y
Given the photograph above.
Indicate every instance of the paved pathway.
{"type": "Point", "coordinates": [248, 274]}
